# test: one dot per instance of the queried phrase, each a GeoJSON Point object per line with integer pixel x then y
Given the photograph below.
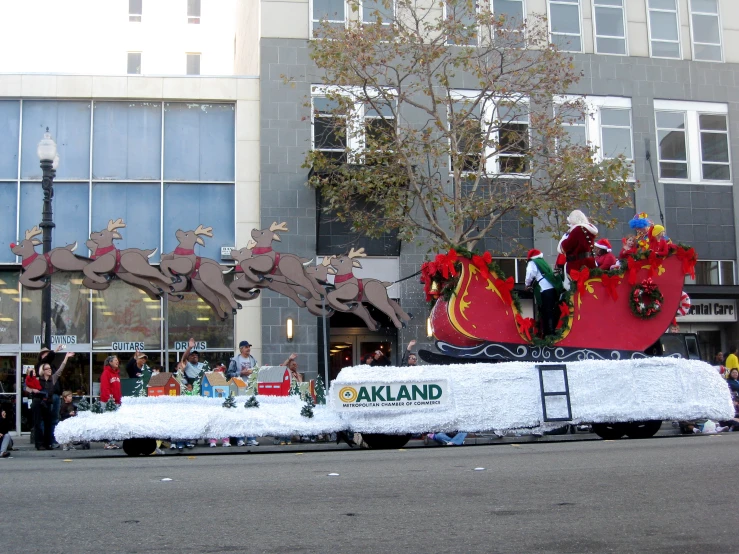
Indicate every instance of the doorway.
{"type": "Point", "coordinates": [10, 393]}
{"type": "Point", "coordinates": [351, 348]}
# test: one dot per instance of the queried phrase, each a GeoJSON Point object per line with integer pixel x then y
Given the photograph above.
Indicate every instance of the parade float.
{"type": "Point", "coordinates": [593, 369]}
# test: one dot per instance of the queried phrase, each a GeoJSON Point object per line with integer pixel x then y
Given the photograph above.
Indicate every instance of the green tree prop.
{"type": "Point", "coordinates": [307, 410]}
{"type": "Point", "coordinates": [110, 405]}
{"type": "Point", "coordinates": [230, 402]}
{"type": "Point", "coordinates": [252, 402]}
{"type": "Point", "coordinates": [83, 405]}
{"type": "Point", "coordinates": [140, 389]}
{"type": "Point", "coordinates": [251, 382]}
{"type": "Point", "coordinates": [320, 391]}
{"type": "Point", "coordinates": [294, 388]}
{"type": "Point", "coordinates": [97, 407]}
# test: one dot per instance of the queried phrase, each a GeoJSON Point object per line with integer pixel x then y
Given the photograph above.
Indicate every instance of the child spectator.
{"type": "Point", "coordinates": [604, 257]}
{"type": "Point", "coordinates": [69, 409]}
{"type": "Point", "coordinates": [442, 438]}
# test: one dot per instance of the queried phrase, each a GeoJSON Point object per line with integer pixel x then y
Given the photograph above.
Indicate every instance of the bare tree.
{"type": "Point", "coordinates": [437, 118]}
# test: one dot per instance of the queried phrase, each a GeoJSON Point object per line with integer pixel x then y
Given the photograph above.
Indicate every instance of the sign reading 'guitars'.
{"type": "Point", "coordinates": [406, 395]}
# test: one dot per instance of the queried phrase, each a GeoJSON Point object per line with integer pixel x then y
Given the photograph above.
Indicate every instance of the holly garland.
{"type": "Point", "coordinates": [645, 299]}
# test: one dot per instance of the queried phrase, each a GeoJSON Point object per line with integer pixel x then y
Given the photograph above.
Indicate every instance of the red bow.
{"type": "Point", "coordinates": [609, 283]}
{"type": "Point", "coordinates": [580, 276]}
{"type": "Point", "coordinates": [505, 288]}
{"type": "Point", "coordinates": [525, 324]}
{"type": "Point", "coordinates": [564, 313]}
{"type": "Point", "coordinates": [688, 258]}
{"type": "Point", "coordinates": [445, 263]}
{"type": "Point", "coordinates": [653, 263]}
{"type": "Point", "coordinates": [482, 263]}
{"type": "Point", "coordinates": [633, 270]}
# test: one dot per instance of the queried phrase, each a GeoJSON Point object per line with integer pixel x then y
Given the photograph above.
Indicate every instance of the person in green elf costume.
{"type": "Point", "coordinates": [547, 288]}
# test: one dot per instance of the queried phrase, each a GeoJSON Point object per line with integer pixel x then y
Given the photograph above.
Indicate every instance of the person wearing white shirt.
{"type": "Point", "coordinates": [541, 279]}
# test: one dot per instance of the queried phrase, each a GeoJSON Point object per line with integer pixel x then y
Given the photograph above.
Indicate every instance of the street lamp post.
{"type": "Point", "coordinates": [49, 161]}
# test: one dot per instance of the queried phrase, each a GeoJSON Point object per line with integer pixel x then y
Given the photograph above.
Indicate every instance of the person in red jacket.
{"type": "Point", "coordinates": [577, 242]}
{"type": "Point", "coordinates": [110, 380]}
{"type": "Point", "coordinates": [110, 386]}
{"type": "Point", "coordinates": [604, 257]}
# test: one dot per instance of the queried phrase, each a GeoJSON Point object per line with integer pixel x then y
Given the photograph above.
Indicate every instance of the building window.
{"type": "Point", "coordinates": [705, 29]}
{"type": "Point", "coordinates": [134, 63]}
{"type": "Point", "coordinates": [193, 12]}
{"type": "Point", "coordinates": [712, 272]}
{"type": "Point", "coordinates": [514, 13]}
{"type": "Point", "coordinates": [193, 64]}
{"type": "Point", "coordinates": [564, 24]}
{"type": "Point", "coordinates": [610, 27]}
{"type": "Point", "coordinates": [693, 139]}
{"type": "Point", "coordinates": [374, 11]}
{"type": "Point", "coordinates": [507, 147]}
{"type": "Point", "coordinates": [368, 124]}
{"type": "Point", "coordinates": [664, 29]}
{"type": "Point", "coordinates": [605, 125]}
{"type": "Point", "coordinates": [464, 15]}
{"type": "Point", "coordinates": [135, 10]}
{"type": "Point", "coordinates": [330, 12]}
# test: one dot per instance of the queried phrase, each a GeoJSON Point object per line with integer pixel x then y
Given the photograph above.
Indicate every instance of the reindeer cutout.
{"type": "Point", "coordinates": [37, 269]}
{"type": "Point", "coordinates": [247, 289]}
{"type": "Point", "coordinates": [204, 275]}
{"type": "Point", "coordinates": [266, 264]}
{"type": "Point", "coordinates": [350, 292]}
{"type": "Point", "coordinates": [130, 265]}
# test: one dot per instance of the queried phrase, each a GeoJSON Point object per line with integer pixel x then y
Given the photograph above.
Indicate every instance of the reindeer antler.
{"type": "Point", "coordinates": [326, 261]}
{"type": "Point", "coordinates": [357, 253]}
{"type": "Point", "coordinates": [33, 232]}
{"type": "Point", "coordinates": [117, 224]}
{"type": "Point", "coordinates": [281, 227]}
{"type": "Point", "coordinates": [207, 231]}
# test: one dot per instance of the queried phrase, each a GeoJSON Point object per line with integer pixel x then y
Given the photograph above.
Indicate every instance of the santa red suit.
{"type": "Point", "coordinates": [605, 259]}
{"type": "Point", "coordinates": [577, 243]}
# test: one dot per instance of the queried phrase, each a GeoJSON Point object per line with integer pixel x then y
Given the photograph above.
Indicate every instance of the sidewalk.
{"type": "Point", "coordinates": [23, 448]}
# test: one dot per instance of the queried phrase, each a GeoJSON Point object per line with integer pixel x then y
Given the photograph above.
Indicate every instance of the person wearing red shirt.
{"type": "Point", "coordinates": [604, 257]}
{"type": "Point", "coordinates": [110, 387]}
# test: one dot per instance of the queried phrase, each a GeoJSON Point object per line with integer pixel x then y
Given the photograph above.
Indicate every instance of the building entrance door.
{"type": "Point", "coordinates": [11, 385]}
{"type": "Point", "coordinates": [348, 349]}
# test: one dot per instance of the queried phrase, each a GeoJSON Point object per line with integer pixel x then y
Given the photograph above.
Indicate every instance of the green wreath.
{"type": "Point", "coordinates": [645, 300]}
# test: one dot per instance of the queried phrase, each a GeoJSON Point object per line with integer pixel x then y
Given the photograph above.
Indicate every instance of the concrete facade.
{"type": "Point", "coordinates": [696, 213]}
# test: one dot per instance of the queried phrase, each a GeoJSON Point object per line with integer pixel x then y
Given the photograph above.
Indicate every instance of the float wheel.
{"type": "Point", "coordinates": [139, 447]}
{"type": "Point", "coordinates": [643, 429]}
{"type": "Point", "coordinates": [610, 431]}
{"type": "Point", "coordinates": [378, 441]}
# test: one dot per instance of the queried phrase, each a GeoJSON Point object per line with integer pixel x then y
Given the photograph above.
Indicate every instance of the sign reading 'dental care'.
{"type": "Point", "coordinates": [182, 345]}
{"type": "Point", "coordinates": [406, 395]}
{"type": "Point", "coordinates": [57, 339]}
{"type": "Point", "coordinates": [704, 309]}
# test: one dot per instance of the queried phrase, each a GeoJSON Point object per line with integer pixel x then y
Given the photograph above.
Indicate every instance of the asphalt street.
{"type": "Point", "coordinates": [669, 494]}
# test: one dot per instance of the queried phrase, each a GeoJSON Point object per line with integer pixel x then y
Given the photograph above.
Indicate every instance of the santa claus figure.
{"type": "Point", "coordinates": [604, 257]}
{"type": "Point", "coordinates": [577, 243]}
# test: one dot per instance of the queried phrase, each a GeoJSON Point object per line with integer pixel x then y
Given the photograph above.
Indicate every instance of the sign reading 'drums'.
{"type": "Point", "coordinates": [405, 395]}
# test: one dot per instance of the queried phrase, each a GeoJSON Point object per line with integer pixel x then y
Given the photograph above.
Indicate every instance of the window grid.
{"type": "Point", "coordinates": [193, 64]}
{"type": "Point", "coordinates": [606, 151]}
{"type": "Point", "coordinates": [703, 48]}
{"type": "Point", "coordinates": [515, 12]}
{"type": "Point", "coordinates": [560, 22]}
{"type": "Point", "coordinates": [331, 11]}
{"type": "Point", "coordinates": [610, 40]}
{"type": "Point", "coordinates": [134, 63]}
{"type": "Point", "coordinates": [368, 9]}
{"type": "Point", "coordinates": [713, 272]}
{"type": "Point", "coordinates": [665, 12]}
{"type": "Point", "coordinates": [706, 142]}
{"type": "Point", "coordinates": [135, 11]}
{"type": "Point", "coordinates": [193, 12]}
{"type": "Point", "coordinates": [466, 18]}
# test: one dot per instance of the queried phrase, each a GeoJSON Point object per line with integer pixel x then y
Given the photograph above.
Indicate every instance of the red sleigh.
{"type": "Point", "coordinates": [608, 315]}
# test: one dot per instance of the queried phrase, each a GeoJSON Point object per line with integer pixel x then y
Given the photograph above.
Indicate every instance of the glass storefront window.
{"type": "Point", "coordinates": [191, 317]}
{"type": "Point", "coordinates": [8, 196]}
{"type": "Point", "coordinates": [9, 299]}
{"type": "Point", "coordinates": [69, 310]}
{"type": "Point", "coordinates": [124, 317]}
{"type": "Point", "coordinates": [213, 359]}
{"type": "Point", "coordinates": [70, 208]}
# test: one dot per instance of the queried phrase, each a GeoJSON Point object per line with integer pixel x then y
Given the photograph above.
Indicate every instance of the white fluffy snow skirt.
{"type": "Point", "coordinates": [464, 397]}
